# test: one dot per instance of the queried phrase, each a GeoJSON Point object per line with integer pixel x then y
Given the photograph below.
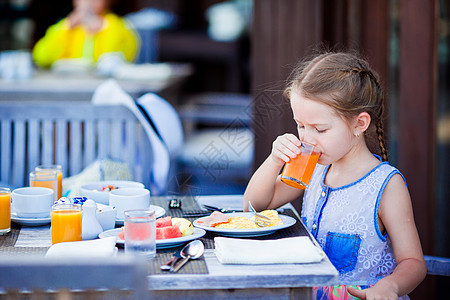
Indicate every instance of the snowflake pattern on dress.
{"type": "Point", "coordinates": [371, 184]}
{"type": "Point", "coordinates": [369, 257]}
{"type": "Point", "coordinates": [387, 263]}
{"type": "Point", "coordinates": [354, 223]}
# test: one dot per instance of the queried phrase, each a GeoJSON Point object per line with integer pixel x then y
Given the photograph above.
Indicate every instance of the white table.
{"type": "Point", "coordinates": [276, 281]}
{"type": "Point", "coordinates": [281, 281]}
{"type": "Point", "coordinates": [48, 85]}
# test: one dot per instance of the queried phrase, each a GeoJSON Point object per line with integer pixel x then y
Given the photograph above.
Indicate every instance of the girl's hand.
{"type": "Point", "coordinates": [284, 148]}
{"type": "Point", "coordinates": [376, 292]}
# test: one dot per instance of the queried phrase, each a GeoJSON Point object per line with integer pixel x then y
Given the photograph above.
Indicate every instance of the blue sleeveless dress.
{"type": "Point", "coordinates": [344, 221]}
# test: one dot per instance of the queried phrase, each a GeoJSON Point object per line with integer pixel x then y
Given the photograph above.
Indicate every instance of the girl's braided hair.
{"type": "Point", "coordinates": [345, 82]}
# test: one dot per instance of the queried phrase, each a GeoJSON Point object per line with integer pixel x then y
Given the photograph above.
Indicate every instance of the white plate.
{"type": "Point", "coordinates": [160, 244]}
{"type": "Point", "coordinates": [159, 212]}
{"type": "Point", "coordinates": [287, 222]}
{"type": "Point", "coordinates": [30, 221]}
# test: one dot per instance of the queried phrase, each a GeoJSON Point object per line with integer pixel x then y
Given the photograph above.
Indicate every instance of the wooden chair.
{"type": "Point", "coordinates": [32, 277]}
{"type": "Point", "coordinates": [72, 134]}
{"type": "Point", "coordinates": [219, 144]}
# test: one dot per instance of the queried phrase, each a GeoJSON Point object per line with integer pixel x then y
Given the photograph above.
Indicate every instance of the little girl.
{"type": "Point", "coordinates": [357, 206]}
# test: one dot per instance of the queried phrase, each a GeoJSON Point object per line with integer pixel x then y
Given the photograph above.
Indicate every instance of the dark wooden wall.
{"type": "Point", "coordinates": [285, 31]}
{"type": "Point", "coordinates": [282, 34]}
{"type": "Point", "coordinates": [417, 117]}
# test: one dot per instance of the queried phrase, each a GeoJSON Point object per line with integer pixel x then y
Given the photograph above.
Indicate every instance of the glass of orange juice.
{"type": "Point", "coordinates": [66, 222]}
{"type": "Point", "coordinates": [298, 171]}
{"type": "Point", "coordinates": [5, 210]}
{"type": "Point", "coordinates": [59, 176]}
{"type": "Point", "coordinates": [47, 179]}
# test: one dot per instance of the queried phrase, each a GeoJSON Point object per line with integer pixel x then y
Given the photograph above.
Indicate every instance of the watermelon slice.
{"type": "Point", "coordinates": [164, 222]}
{"type": "Point", "coordinates": [168, 232]}
{"type": "Point", "coordinates": [121, 234]}
{"type": "Point", "coordinates": [138, 231]}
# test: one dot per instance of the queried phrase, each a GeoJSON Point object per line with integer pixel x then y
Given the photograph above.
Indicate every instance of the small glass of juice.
{"type": "Point", "coordinates": [59, 174]}
{"type": "Point", "coordinates": [47, 179]}
{"type": "Point", "coordinates": [5, 210]}
{"type": "Point", "coordinates": [298, 171]}
{"type": "Point", "coordinates": [140, 232]}
{"type": "Point", "coordinates": [66, 222]}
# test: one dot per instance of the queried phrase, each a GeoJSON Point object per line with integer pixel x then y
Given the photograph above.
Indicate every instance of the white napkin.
{"type": "Point", "coordinates": [82, 249]}
{"type": "Point", "coordinates": [282, 251]}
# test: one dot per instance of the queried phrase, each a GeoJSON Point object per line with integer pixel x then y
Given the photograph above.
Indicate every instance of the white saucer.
{"type": "Point", "coordinates": [159, 212]}
{"type": "Point", "coordinates": [30, 221]}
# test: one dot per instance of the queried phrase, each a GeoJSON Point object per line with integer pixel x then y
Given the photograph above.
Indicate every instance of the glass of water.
{"type": "Point", "coordinates": [140, 232]}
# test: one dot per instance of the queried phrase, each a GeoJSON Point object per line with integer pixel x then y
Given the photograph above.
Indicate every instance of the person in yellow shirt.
{"type": "Point", "coordinates": [89, 31]}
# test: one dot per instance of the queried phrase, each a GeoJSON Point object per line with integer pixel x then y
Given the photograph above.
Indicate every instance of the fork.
{"type": "Point", "coordinates": [260, 220]}
{"type": "Point", "coordinates": [222, 210]}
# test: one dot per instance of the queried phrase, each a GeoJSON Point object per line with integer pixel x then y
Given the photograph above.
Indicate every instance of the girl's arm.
{"type": "Point", "coordinates": [396, 214]}
{"type": "Point", "coordinates": [265, 189]}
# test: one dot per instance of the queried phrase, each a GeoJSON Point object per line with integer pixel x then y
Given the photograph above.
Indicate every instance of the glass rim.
{"type": "Point", "coordinates": [44, 173]}
{"type": "Point", "coordinates": [310, 146]}
{"type": "Point", "coordinates": [5, 190]}
{"type": "Point", "coordinates": [49, 167]}
{"type": "Point", "coordinates": [142, 212]}
{"type": "Point", "coordinates": [66, 206]}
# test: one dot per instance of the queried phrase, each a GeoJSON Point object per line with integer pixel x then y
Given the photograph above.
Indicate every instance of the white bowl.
{"type": "Point", "coordinates": [106, 216]}
{"type": "Point", "coordinates": [94, 191]}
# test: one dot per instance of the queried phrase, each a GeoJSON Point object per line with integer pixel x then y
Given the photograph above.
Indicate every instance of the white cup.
{"type": "Point", "coordinates": [32, 202]}
{"type": "Point", "coordinates": [129, 198]}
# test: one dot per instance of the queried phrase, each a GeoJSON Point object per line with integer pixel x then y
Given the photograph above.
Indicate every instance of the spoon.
{"type": "Point", "coordinates": [193, 250]}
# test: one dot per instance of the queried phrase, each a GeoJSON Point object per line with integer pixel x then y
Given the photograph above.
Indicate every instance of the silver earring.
{"type": "Point", "coordinates": [357, 133]}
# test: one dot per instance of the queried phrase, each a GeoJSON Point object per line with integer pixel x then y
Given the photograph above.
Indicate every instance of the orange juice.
{"type": "Point", "coordinates": [47, 179]}
{"type": "Point", "coordinates": [58, 170]}
{"type": "Point", "coordinates": [297, 173]}
{"type": "Point", "coordinates": [59, 179]}
{"type": "Point", "coordinates": [5, 210]}
{"type": "Point", "coordinates": [66, 224]}
{"type": "Point", "coordinates": [43, 183]}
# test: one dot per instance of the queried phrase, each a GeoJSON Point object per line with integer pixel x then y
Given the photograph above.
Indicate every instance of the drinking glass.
{"type": "Point", "coordinates": [140, 232]}
{"type": "Point", "coordinates": [298, 171]}
{"type": "Point", "coordinates": [59, 174]}
{"type": "Point", "coordinates": [5, 210]}
{"type": "Point", "coordinates": [48, 179]}
{"type": "Point", "coordinates": [66, 222]}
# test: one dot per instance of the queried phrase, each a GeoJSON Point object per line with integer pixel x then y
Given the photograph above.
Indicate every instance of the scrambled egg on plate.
{"type": "Point", "coordinates": [245, 223]}
{"type": "Point", "coordinates": [238, 223]}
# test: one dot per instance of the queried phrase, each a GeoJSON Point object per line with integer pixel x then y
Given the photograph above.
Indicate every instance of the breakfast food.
{"type": "Point", "coordinates": [272, 215]}
{"type": "Point", "coordinates": [185, 226]}
{"type": "Point", "coordinates": [165, 229]}
{"type": "Point", "coordinates": [163, 222]}
{"type": "Point", "coordinates": [214, 219]}
{"type": "Point", "coordinates": [109, 188]}
{"type": "Point", "coordinates": [169, 228]}
{"type": "Point", "coordinates": [238, 223]}
{"type": "Point", "coordinates": [168, 232]}
{"type": "Point", "coordinates": [221, 220]}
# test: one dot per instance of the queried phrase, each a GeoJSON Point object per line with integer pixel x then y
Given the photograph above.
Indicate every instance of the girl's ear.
{"type": "Point", "coordinates": [362, 122]}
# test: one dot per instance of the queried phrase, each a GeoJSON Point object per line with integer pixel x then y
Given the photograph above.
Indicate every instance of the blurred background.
{"type": "Point", "coordinates": [241, 53]}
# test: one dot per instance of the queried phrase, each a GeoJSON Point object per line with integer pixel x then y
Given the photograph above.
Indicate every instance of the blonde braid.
{"type": "Point", "coordinates": [380, 136]}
